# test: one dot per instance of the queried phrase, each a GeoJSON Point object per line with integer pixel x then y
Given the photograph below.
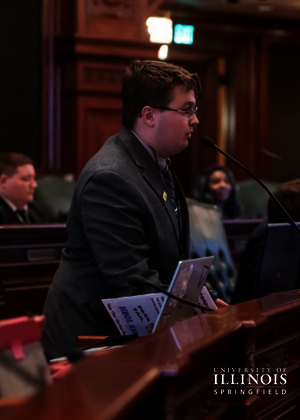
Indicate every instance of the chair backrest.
{"type": "Point", "coordinates": [253, 198]}
{"type": "Point", "coordinates": [208, 237]}
{"type": "Point", "coordinates": [53, 197]}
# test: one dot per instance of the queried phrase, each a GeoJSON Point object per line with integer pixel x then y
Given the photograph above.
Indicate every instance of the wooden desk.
{"type": "Point", "coordinates": [170, 375]}
{"type": "Point", "coordinates": [29, 257]}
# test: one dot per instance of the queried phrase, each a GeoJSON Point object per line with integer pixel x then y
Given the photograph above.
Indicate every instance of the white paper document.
{"type": "Point", "coordinates": [135, 314]}
{"type": "Point", "coordinates": [139, 314]}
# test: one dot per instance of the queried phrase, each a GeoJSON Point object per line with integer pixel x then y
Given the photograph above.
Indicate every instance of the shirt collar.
{"type": "Point", "coordinates": [12, 205]}
{"type": "Point", "coordinates": [160, 161]}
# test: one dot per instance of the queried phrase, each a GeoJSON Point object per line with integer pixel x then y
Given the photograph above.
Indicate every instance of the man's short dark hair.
{"type": "Point", "coordinates": [151, 83]}
{"type": "Point", "coordinates": [9, 162]}
{"type": "Point", "coordinates": [288, 194]}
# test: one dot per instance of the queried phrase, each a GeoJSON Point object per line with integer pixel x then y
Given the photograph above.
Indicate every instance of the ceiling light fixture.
{"type": "Point", "coordinates": [163, 52]}
{"type": "Point", "coordinates": [160, 29]}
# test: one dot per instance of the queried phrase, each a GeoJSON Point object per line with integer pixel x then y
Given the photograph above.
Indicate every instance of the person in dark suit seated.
{"type": "Point", "coordinates": [128, 215]}
{"type": "Point", "coordinates": [17, 185]}
{"type": "Point", "coordinates": [288, 194]}
{"type": "Point", "coordinates": [216, 185]}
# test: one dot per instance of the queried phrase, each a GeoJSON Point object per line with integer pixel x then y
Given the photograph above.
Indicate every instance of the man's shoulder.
{"type": "Point", "coordinates": [7, 215]}
{"type": "Point", "coordinates": [122, 153]}
{"type": "Point", "coordinates": [114, 156]}
{"type": "Point", "coordinates": [4, 207]}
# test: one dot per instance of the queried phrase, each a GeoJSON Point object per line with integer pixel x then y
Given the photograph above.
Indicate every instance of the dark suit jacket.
{"type": "Point", "coordinates": [119, 224]}
{"type": "Point", "coordinates": [9, 217]}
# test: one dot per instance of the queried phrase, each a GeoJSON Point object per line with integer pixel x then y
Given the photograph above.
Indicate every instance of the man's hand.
{"type": "Point", "coordinates": [221, 304]}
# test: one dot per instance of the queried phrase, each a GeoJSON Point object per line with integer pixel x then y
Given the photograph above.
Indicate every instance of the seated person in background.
{"type": "Point", "coordinates": [17, 185]}
{"type": "Point", "coordinates": [216, 185]}
{"type": "Point", "coordinates": [288, 194]}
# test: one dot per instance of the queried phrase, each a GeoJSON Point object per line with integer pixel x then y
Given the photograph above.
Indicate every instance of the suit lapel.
{"type": "Point", "coordinates": [185, 217]}
{"type": "Point", "coordinates": [151, 173]}
{"type": "Point", "coordinates": [9, 216]}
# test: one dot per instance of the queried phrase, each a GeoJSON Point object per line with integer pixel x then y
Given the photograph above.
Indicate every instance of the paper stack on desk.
{"type": "Point", "coordinates": [143, 314]}
{"type": "Point", "coordinates": [139, 314]}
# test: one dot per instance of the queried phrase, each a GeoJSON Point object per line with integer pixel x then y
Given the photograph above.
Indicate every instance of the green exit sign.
{"type": "Point", "coordinates": [184, 34]}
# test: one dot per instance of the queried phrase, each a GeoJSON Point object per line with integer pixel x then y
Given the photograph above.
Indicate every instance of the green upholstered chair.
{"type": "Point", "coordinates": [254, 198]}
{"type": "Point", "coordinates": [53, 197]}
{"type": "Point", "coordinates": [207, 237]}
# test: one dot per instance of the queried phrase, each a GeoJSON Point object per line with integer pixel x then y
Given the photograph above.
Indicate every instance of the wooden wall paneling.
{"type": "Point", "coordinates": [284, 106]}
{"type": "Point", "coordinates": [90, 88]}
{"type": "Point", "coordinates": [69, 141]}
{"type": "Point", "coordinates": [98, 119]}
{"type": "Point", "coordinates": [93, 50]}
{"type": "Point", "coordinates": [246, 134]}
{"type": "Point", "coordinates": [113, 32]}
{"type": "Point", "coordinates": [263, 167]}
{"type": "Point", "coordinates": [51, 106]}
{"type": "Point", "coordinates": [98, 19]}
{"type": "Point", "coordinates": [222, 108]}
{"type": "Point", "coordinates": [92, 109]}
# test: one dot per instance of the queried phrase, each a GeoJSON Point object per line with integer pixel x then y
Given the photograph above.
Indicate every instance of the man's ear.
{"type": "Point", "coordinates": [3, 182]}
{"type": "Point", "coordinates": [148, 116]}
{"type": "Point", "coordinates": [3, 179]}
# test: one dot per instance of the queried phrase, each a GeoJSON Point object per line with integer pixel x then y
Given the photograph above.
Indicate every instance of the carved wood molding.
{"type": "Point", "coordinates": [103, 79]}
{"type": "Point", "coordinates": [153, 5]}
{"type": "Point", "coordinates": [124, 9]}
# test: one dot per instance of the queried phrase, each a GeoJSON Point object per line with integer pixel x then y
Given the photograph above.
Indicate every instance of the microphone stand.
{"type": "Point", "coordinates": [187, 302]}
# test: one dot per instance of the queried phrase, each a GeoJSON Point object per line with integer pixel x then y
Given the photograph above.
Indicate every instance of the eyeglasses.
{"type": "Point", "coordinates": [189, 113]}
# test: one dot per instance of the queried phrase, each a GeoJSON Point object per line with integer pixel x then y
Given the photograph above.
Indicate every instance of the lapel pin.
{"type": "Point", "coordinates": [165, 196]}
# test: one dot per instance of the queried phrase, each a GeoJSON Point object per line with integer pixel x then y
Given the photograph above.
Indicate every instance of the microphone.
{"type": "Point", "coordinates": [139, 281]}
{"type": "Point", "coordinates": [211, 144]}
{"type": "Point", "coordinates": [271, 154]}
{"type": "Point", "coordinates": [292, 170]}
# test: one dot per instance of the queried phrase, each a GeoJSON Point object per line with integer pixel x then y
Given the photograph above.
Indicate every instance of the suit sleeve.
{"type": "Point", "coordinates": [114, 217]}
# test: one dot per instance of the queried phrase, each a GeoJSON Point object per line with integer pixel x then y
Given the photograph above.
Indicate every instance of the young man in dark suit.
{"type": "Point", "coordinates": [126, 218]}
{"type": "Point", "coordinates": [17, 185]}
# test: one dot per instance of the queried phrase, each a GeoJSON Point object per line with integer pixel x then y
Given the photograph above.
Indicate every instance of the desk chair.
{"type": "Point", "coordinates": [53, 197]}
{"type": "Point", "coordinates": [253, 198]}
{"type": "Point", "coordinates": [207, 237]}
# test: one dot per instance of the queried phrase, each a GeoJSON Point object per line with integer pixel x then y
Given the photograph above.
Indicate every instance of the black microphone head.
{"type": "Point", "coordinates": [208, 142]}
{"type": "Point", "coordinates": [136, 280]}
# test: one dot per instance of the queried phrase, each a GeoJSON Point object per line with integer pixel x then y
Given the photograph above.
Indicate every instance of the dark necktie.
{"type": "Point", "coordinates": [170, 187]}
{"type": "Point", "coordinates": [23, 215]}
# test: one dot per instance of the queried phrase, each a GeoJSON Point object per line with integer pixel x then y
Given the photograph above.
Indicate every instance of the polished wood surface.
{"type": "Point", "coordinates": [170, 374]}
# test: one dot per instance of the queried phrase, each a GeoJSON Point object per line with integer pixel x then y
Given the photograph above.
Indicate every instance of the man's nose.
{"type": "Point", "coordinates": [33, 183]}
{"type": "Point", "coordinates": [194, 120]}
